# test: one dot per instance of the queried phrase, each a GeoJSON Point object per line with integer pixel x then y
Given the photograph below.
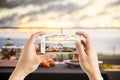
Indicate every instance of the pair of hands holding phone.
{"type": "Point", "coordinates": [30, 60]}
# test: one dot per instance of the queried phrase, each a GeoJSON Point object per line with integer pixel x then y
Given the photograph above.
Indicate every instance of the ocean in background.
{"type": "Point", "coordinates": [106, 46]}
{"type": "Point", "coordinates": [17, 42]}
{"type": "Point", "coordinates": [106, 41]}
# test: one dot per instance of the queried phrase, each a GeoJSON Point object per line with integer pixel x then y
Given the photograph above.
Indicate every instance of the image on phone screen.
{"type": "Point", "coordinates": [59, 43]}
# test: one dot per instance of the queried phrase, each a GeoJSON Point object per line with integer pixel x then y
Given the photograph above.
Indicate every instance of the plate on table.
{"type": "Point", "coordinates": [72, 64]}
{"type": "Point", "coordinates": [76, 63]}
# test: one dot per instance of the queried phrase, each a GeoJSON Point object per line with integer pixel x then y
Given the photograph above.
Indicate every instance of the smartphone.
{"type": "Point", "coordinates": [58, 43]}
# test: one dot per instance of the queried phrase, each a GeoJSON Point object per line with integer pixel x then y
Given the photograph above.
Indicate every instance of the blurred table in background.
{"type": "Point", "coordinates": [58, 72]}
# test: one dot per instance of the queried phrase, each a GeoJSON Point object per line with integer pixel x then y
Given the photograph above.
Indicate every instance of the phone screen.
{"type": "Point", "coordinates": [59, 43]}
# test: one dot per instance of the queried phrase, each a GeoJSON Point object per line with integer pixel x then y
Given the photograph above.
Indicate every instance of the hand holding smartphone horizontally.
{"type": "Point", "coordinates": [29, 60]}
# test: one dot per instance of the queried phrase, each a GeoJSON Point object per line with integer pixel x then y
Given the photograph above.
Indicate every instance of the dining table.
{"type": "Point", "coordinates": [57, 72]}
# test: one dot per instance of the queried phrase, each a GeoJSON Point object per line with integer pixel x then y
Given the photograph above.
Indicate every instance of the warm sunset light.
{"type": "Point", "coordinates": [60, 39]}
{"type": "Point", "coordinates": [62, 17]}
{"type": "Point", "coordinates": [63, 14]}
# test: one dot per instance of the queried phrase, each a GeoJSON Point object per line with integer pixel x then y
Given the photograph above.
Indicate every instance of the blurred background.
{"type": "Point", "coordinates": [100, 19]}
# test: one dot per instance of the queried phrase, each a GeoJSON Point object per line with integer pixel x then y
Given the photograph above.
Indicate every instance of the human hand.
{"type": "Point", "coordinates": [88, 57]}
{"type": "Point", "coordinates": [29, 60]}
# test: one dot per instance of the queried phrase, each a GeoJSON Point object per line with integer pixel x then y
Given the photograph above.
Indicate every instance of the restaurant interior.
{"type": "Point", "coordinates": [19, 19]}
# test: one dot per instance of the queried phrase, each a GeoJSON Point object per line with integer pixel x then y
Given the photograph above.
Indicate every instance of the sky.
{"type": "Point", "coordinates": [99, 18]}
{"type": "Point", "coordinates": [60, 13]}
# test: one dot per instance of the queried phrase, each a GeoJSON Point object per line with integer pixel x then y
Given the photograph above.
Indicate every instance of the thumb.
{"type": "Point", "coordinates": [80, 49]}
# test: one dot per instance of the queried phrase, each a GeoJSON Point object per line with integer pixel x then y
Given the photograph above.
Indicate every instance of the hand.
{"type": "Point", "coordinates": [88, 57]}
{"type": "Point", "coordinates": [29, 59]}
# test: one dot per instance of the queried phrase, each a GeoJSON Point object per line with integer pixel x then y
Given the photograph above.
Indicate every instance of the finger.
{"type": "Point", "coordinates": [80, 49]}
{"type": "Point", "coordinates": [37, 49]}
{"type": "Point", "coordinates": [86, 36]}
{"type": "Point", "coordinates": [84, 43]}
{"type": "Point", "coordinates": [85, 47]}
{"type": "Point", "coordinates": [34, 36]}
